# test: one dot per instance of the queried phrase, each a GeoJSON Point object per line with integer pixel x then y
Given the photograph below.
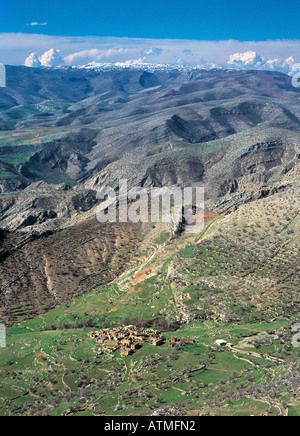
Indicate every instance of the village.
{"type": "Point", "coordinates": [130, 338]}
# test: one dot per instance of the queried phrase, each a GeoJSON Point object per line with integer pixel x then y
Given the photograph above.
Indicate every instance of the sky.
{"type": "Point", "coordinates": [190, 32]}
{"type": "Point", "coordinates": [159, 19]}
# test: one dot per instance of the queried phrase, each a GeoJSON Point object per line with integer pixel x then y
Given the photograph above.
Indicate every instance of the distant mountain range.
{"type": "Point", "coordinates": [249, 60]}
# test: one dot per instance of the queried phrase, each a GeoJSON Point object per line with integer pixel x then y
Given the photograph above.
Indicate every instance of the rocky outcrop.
{"type": "Point", "coordinates": [231, 203]}
{"type": "Point", "coordinates": [65, 157]}
{"type": "Point", "coordinates": [174, 171]}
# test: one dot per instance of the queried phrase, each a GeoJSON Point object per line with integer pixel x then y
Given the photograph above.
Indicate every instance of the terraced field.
{"type": "Point", "coordinates": [221, 284]}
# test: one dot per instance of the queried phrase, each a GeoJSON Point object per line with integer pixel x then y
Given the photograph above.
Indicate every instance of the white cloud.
{"type": "Point", "coordinates": [51, 58]}
{"type": "Point", "coordinates": [152, 51]}
{"type": "Point", "coordinates": [97, 55]}
{"type": "Point", "coordinates": [182, 62]}
{"type": "Point", "coordinates": [32, 61]}
{"type": "Point", "coordinates": [91, 54]}
{"type": "Point", "coordinates": [247, 59]}
{"type": "Point", "coordinates": [133, 62]}
{"type": "Point", "coordinates": [273, 55]}
{"type": "Point", "coordinates": [253, 60]}
{"type": "Point", "coordinates": [35, 23]}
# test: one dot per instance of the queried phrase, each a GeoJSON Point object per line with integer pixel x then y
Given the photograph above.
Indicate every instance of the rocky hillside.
{"type": "Point", "coordinates": [65, 133]}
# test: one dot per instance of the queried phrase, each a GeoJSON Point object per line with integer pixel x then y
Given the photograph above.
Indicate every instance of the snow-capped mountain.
{"type": "Point", "coordinates": [249, 60]}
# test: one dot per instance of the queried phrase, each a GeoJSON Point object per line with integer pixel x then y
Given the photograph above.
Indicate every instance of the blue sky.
{"type": "Point", "coordinates": [259, 34]}
{"type": "Point", "coordinates": [172, 19]}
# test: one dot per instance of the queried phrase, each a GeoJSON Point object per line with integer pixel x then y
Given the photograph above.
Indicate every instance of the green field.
{"type": "Point", "coordinates": [235, 281]}
{"type": "Point", "coordinates": [52, 367]}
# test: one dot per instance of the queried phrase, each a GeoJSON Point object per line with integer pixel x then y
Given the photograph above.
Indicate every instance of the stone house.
{"type": "Point", "coordinates": [126, 351]}
{"type": "Point", "coordinates": [156, 340]}
{"type": "Point", "coordinates": [172, 341]}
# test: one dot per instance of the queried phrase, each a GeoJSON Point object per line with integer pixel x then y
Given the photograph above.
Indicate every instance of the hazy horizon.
{"type": "Point", "coordinates": [44, 50]}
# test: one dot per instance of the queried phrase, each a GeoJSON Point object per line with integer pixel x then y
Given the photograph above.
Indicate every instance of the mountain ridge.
{"type": "Point", "coordinates": [234, 133]}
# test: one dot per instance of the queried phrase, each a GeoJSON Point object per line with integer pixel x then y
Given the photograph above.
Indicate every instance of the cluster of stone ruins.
{"type": "Point", "coordinates": [127, 339]}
